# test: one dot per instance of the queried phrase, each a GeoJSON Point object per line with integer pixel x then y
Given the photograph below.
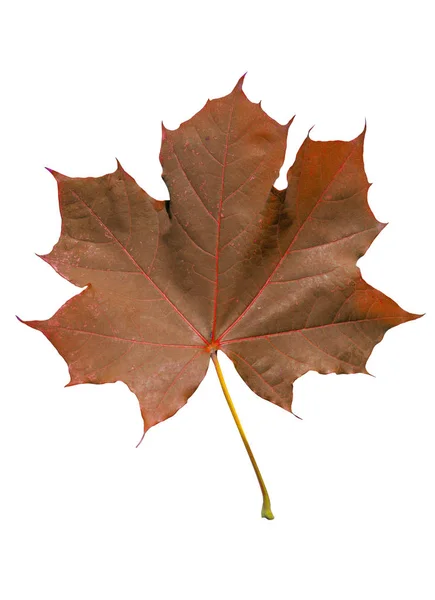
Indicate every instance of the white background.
{"type": "Point", "coordinates": [83, 514]}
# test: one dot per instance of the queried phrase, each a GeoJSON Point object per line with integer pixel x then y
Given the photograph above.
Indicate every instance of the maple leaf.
{"type": "Point", "coordinates": [229, 263]}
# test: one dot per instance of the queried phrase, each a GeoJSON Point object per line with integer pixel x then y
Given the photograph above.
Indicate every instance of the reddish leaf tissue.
{"type": "Point", "coordinates": [229, 263]}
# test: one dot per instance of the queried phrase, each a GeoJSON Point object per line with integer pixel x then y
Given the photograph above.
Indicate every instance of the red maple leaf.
{"type": "Point", "coordinates": [229, 263]}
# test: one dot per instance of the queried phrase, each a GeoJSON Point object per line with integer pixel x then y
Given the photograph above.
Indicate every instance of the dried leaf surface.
{"type": "Point", "coordinates": [230, 263]}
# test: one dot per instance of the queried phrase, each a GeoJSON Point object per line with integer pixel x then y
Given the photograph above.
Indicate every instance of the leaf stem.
{"type": "Point", "coordinates": [266, 510]}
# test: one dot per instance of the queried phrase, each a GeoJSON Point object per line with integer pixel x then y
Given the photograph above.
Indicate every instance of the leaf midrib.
{"type": "Point", "coordinates": [218, 233]}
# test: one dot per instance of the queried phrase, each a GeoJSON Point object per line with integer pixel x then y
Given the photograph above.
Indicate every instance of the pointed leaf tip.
{"type": "Point", "coordinates": [58, 176]}
{"type": "Point", "coordinates": [414, 316]}
{"type": "Point", "coordinates": [362, 135]}
{"type": "Point", "coordinates": [287, 125]}
{"type": "Point", "coordinates": [239, 84]}
{"type": "Point", "coordinates": [43, 257]}
{"type": "Point", "coordinates": [141, 439]}
{"type": "Point", "coordinates": [309, 131]}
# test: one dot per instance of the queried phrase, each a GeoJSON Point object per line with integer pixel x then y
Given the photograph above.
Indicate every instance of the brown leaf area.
{"type": "Point", "coordinates": [269, 277]}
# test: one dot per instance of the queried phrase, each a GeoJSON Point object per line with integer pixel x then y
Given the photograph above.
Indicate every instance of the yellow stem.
{"type": "Point", "coordinates": [266, 510]}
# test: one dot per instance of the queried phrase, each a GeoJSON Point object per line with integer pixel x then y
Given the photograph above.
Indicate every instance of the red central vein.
{"type": "Point", "coordinates": [124, 249]}
{"type": "Point", "coordinates": [284, 256]}
{"type": "Point", "coordinates": [121, 339]}
{"type": "Point", "coordinates": [337, 324]}
{"type": "Point", "coordinates": [218, 235]}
